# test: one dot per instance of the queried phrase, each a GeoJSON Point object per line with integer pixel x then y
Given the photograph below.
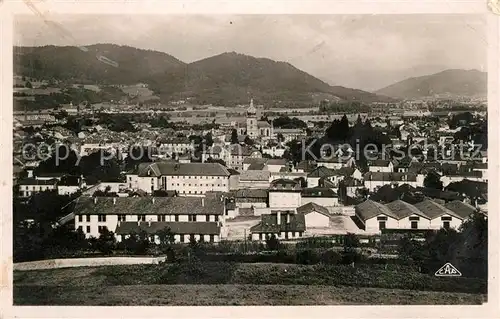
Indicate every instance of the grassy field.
{"type": "Point", "coordinates": [244, 284]}
{"type": "Point", "coordinates": [230, 295]}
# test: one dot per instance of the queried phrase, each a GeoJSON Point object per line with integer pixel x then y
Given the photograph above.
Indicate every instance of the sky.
{"type": "Point", "coordinates": [366, 52]}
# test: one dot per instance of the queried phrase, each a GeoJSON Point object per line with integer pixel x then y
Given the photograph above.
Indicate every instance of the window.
{"type": "Point", "coordinates": [192, 218]}
{"type": "Point", "coordinates": [177, 218]}
{"type": "Point", "coordinates": [300, 234]}
{"type": "Point", "coordinates": [381, 225]}
{"type": "Point", "coordinates": [414, 218]}
{"type": "Point", "coordinates": [383, 218]}
{"type": "Point", "coordinates": [162, 218]}
{"type": "Point", "coordinates": [80, 218]}
{"type": "Point", "coordinates": [88, 229]}
{"type": "Point", "coordinates": [100, 229]}
{"type": "Point", "coordinates": [216, 218]}
{"type": "Point", "coordinates": [212, 238]}
{"type": "Point", "coordinates": [207, 218]}
{"type": "Point", "coordinates": [181, 238]}
{"type": "Point", "coordinates": [191, 237]}
{"type": "Point", "coordinates": [88, 218]}
{"type": "Point", "coordinates": [122, 218]}
{"type": "Point", "coordinates": [446, 225]}
{"type": "Point", "coordinates": [141, 218]}
{"type": "Point", "coordinates": [260, 236]}
{"type": "Point", "coordinates": [414, 225]}
{"type": "Point", "coordinates": [101, 218]}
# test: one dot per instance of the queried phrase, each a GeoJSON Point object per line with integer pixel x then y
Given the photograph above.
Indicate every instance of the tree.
{"type": "Point", "coordinates": [272, 242]}
{"type": "Point", "coordinates": [234, 137]}
{"type": "Point", "coordinates": [280, 137]}
{"type": "Point", "coordinates": [350, 253]}
{"type": "Point", "coordinates": [249, 141]}
{"type": "Point", "coordinates": [28, 85]}
{"type": "Point", "coordinates": [106, 241]}
{"type": "Point", "coordinates": [432, 180]}
{"type": "Point", "coordinates": [209, 141]}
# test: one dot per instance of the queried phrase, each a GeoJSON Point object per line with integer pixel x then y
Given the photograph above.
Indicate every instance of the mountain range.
{"type": "Point", "coordinates": [226, 78]}
{"type": "Point", "coordinates": [451, 82]}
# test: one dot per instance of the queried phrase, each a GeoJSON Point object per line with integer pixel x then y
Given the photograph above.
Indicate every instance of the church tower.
{"type": "Point", "coordinates": [252, 129]}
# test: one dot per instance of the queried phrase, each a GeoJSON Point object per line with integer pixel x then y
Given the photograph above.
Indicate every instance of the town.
{"type": "Point", "coordinates": [281, 175]}
{"type": "Point", "coordinates": [249, 180]}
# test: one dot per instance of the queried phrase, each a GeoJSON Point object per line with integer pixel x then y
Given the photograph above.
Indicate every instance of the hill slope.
{"type": "Point", "coordinates": [223, 79]}
{"type": "Point", "coordinates": [449, 82]}
{"type": "Point", "coordinates": [234, 77]}
{"type": "Point", "coordinates": [120, 65]}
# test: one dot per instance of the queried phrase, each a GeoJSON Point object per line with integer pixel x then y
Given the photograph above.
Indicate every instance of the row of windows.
{"type": "Point", "coordinates": [414, 224]}
{"type": "Point", "coordinates": [199, 185]}
{"type": "Point", "coordinates": [294, 234]}
{"type": "Point", "coordinates": [40, 188]}
{"type": "Point", "coordinates": [142, 218]}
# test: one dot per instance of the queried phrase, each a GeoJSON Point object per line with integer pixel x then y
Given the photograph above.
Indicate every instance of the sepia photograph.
{"type": "Point", "coordinates": [250, 159]}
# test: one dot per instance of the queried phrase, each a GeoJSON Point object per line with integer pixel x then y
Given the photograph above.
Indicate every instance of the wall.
{"type": "Point", "coordinates": [85, 262]}
{"type": "Point", "coordinates": [197, 184]}
{"type": "Point", "coordinates": [315, 219]}
{"type": "Point", "coordinates": [312, 181]}
{"type": "Point", "coordinates": [437, 223]}
{"type": "Point", "coordinates": [254, 184]}
{"type": "Point", "coordinates": [372, 224]}
{"type": "Point", "coordinates": [323, 201]}
{"type": "Point", "coordinates": [284, 199]}
{"type": "Point", "coordinates": [405, 223]}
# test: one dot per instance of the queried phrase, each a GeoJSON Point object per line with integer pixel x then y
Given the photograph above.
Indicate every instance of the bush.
{"type": "Point", "coordinates": [331, 257]}
{"type": "Point", "coordinates": [307, 257]}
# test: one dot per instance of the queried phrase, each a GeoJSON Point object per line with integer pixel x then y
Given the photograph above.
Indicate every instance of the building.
{"type": "Point", "coordinates": [186, 217]}
{"type": "Point", "coordinates": [184, 178]}
{"type": "Point", "coordinates": [282, 224]}
{"type": "Point", "coordinates": [256, 179]}
{"type": "Point", "coordinates": [374, 180]}
{"type": "Point", "coordinates": [319, 196]}
{"type": "Point", "coordinates": [284, 193]}
{"type": "Point", "coordinates": [425, 215]}
{"type": "Point", "coordinates": [175, 145]}
{"type": "Point", "coordinates": [233, 155]}
{"type": "Point", "coordinates": [380, 165]}
{"type": "Point", "coordinates": [30, 186]}
{"type": "Point", "coordinates": [255, 128]}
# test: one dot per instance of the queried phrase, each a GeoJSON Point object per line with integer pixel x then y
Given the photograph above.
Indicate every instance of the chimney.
{"type": "Point", "coordinates": [114, 200]}
{"type": "Point", "coordinates": [278, 218]}
{"type": "Point", "coordinates": [153, 200]}
{"type": "Point", "coordinates": [95, 200]}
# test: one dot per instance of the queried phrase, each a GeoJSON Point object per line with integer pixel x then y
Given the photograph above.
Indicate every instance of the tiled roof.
{"type": "Point", "coordinates": [403, 209]}
{"type": "Point", "coordinates": [321, 171]}
{"type": "Point", "coordinates": [379, 163]}
{"type": "Point", "coordinates": [389, 176]}
{"type": "Point", "coordinates": [145, 205]}
{"type": "Point", "coordinates": [181, 169]}
{"type": "Point", "coordinates": [312, 207]}
{"type": "Point", "coordinates": [318, 192]}
{"type": "Point", "coordinates": [269, 224]}
{"type": "Point", "coordinates": [369, 209]}
{"type": "Point", "coordinates": [255, 160]}
{"type": "Point", "coordinates": [276, 161]}
{"type": "Point", "coordinates": [33, 181]}
{"type": "Point", "coordinates": [256, 167]}
{"type": "Point", "coordinates": [460, 208]}
{"type": "Point", "coordinates": [183, 228]}
{"type": "Point", "coordinates": [432, 209]}
{"type": "Point", "coordinates": [251, 175]}
{"type": "Point", "coordinates": [251, 193]}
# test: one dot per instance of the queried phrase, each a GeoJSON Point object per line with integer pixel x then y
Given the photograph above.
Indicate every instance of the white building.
{"type": "Point", "coordinates": [285, 193]}
{"type": "Point", "coordinates": [184, 178]}
{"type": "Point", "coordinates": [30, 186]}
{"type": "Point", "coordinates": [425, 215]}
{"type": "Point", "coordinates": [186, 217]}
